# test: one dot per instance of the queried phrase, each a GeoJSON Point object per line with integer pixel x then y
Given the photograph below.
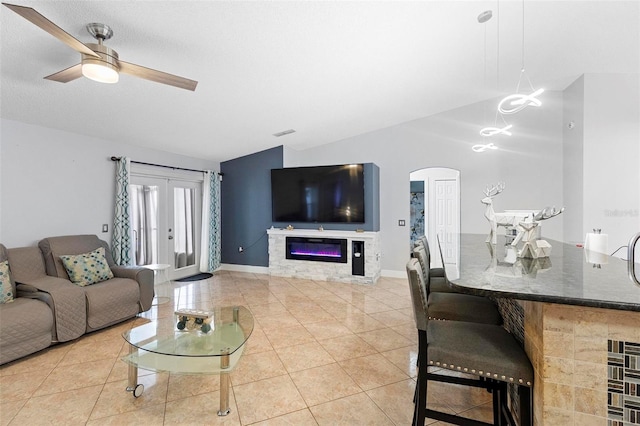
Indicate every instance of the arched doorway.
{"type": "Point", "coordinates": [435, 211]}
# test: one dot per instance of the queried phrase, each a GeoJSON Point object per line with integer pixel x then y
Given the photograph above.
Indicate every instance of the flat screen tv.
{"type": "Point", "coordinates": [323, 194]}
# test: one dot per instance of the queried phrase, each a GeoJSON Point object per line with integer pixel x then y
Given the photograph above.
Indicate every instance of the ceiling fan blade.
{"type": "Point", "coordinates": [36, 18]}
{"type": "Point", "coordinates": [157, 76]}
{"type": "Point", "coordinates": [66, 75]}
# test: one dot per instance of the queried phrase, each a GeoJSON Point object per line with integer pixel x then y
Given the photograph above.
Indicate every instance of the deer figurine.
{"type": "Point", "coordinates": [509, 219]}
{"type": "Point", "coordinates": [535, 247]}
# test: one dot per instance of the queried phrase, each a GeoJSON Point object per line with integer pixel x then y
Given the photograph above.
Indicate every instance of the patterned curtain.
{"type": "Point", "coordinates": [210, 251]}
{"type": "Point", "coordinates": [121, 238]}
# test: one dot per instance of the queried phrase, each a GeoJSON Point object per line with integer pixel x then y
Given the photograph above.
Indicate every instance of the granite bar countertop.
{"type": "Point", "coordinates": [564, 277]}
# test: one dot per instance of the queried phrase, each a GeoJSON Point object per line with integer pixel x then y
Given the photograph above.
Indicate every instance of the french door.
{"type": "Point", "coordinates": [166, 223]}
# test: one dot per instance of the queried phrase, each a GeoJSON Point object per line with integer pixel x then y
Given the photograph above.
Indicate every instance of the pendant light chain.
{"type": "Point", "coordinates": [498, 48]}
{"type": "Point", "coordinates": [522, 56]}
{"type": "Point", "coordinates": [484, 81]}
{"type": "Point", "coordinates": [522, 36]}
{"type": "Point", "coordinates": [498, 114]}
{"type": "Point", "coordinates": [494, 130]}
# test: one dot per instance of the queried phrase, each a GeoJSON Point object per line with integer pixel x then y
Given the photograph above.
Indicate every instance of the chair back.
{"type": "Point", "coordinates": [422, 241]}
{"type": "Point", "coordinates": [423, 260]}
{"type": "Point", "coordinates": [418, 293]}
{"type": "Point", "coordinates": [439, 246]}
{"type": "Point", "coordinates": [425, 243]}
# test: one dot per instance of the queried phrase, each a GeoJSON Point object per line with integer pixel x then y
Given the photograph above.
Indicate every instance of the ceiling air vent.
{"type": "Point", "coordinates": [284, 132]}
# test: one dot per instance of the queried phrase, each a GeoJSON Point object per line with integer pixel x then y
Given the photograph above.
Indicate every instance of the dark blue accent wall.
{"type": "Point", "coordinates": [372, 196]}
{"type": "Point", "coordinates": [246, 206]}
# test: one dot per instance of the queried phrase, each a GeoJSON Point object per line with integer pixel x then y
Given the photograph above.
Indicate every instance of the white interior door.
{"type": "Point", "coordinates": [446, 217]}
{"type": "Point", "coordinates": [166, 220]}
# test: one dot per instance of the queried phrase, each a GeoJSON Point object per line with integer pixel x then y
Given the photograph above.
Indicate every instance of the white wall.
{"type": "Point", "coordinates": [573, 171]}
{"type": "Point", "coordinates": [612, 156]}
{"type": "Point", "coordinates": [59, 183]}
{"type": "Point", "coordinates": [530, 162]}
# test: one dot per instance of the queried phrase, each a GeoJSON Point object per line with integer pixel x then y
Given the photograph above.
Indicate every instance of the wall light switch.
{"type": "Point", "coordinates": [105, 228]}
{"type": "Point", "coordinates": [401, 222]}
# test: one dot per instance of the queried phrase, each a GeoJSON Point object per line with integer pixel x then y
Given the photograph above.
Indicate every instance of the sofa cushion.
{"type": "Point", "coordinates": [87, 268]}
{"type": "Point", "coordinates": [26, 263]}
{"type": "Point", "coordinates": [67, 301]}
{"type": "Point", "coordinates": [110, 302]}
{"type": "Point", "coordinates": [6, 289]}
{"type": "Point", "coordinates": [53, 247]}
{"type": "Point", "coordinates": [25, 328]}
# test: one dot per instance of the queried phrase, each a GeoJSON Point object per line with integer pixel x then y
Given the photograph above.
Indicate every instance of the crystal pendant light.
{"type": "Point", "coordinates": [483, 147]}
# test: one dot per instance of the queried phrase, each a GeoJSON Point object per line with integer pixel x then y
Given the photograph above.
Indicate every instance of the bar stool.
{"type": "Point", "coordinates": [438, 276]}
{"type": "Point", "coordinates": [439, 283]}
{"type": "Point", "coordinates": [435, 272]}
{"type": "Point", "coordinates": [452, 306]}
{"type": "Point", "coordinates": [483, 350]}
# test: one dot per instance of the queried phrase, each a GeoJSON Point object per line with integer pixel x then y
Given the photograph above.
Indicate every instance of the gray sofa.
{"type": "Point", "coordinates": [40, 276]}
{"type": "Point", "coordinates": [26, 324]}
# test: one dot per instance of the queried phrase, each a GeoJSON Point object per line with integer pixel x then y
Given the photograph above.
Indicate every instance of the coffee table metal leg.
{"type": "Point", "coordinates": [132, 380]}
{"type": "Point", "coordinates": [224, 383]}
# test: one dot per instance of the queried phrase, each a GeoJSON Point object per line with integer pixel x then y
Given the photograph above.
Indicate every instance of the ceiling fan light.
{"type": "Point", "coordinates": [104, 69]}
{"type": "Point", "coordinates": [100, 72]}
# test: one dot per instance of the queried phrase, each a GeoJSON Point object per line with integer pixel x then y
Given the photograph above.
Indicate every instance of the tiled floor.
{"type": "Point", "coordinates": [321, 353]}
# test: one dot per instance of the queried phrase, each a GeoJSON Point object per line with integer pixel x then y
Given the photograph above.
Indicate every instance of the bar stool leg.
{"type": "Point", "coordinates": [420, 411]}
{"type": "Point", "coordinates": [504, 406]}
{"type": "Point", "coordinates": [526, 406]}
{"type": "Point", "coordinates": [497, 405]}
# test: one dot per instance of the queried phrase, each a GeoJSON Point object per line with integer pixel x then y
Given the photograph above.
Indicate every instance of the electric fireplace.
{"type": "Point", "coordinates": [317, 249]}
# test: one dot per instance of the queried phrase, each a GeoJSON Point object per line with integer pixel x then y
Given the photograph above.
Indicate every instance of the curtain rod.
{"type": "Point", "coordinates": [166, 167]}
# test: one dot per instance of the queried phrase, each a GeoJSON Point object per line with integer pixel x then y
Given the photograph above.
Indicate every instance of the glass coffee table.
{"type": "Point", "coordinates": [160, 346]}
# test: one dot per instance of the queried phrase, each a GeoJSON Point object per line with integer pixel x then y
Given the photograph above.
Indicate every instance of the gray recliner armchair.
{"type": "Point", "coordinates": [129, 292]}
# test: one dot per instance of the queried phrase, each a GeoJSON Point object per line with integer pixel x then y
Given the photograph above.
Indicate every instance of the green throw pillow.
{"type": "Point", "coordinates": [88, 268]}
{"type": "Point", "coordinates": [5, 283]}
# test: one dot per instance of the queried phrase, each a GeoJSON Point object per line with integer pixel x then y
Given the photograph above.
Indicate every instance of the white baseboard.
{"type": "Point", "coordinates": [244, 268]}
{"type": "Point", "coordinates": [393, 274]}
{"type": "Point", "coordinates": [265, 270]}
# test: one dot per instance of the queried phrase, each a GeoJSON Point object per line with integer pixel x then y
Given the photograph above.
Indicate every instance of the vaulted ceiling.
{"type": "Point", "coordinates": [329, 70]}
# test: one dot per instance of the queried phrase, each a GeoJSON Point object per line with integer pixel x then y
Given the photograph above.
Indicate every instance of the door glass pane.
{"type": "Point", "coordinates": [184, 227]}
{"type": "Point", "coordinates": [144, 221]}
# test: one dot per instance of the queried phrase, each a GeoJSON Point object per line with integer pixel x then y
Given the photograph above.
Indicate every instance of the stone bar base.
{"type": "Point", "coordinates": [280, 266]}
{"type": "Point", "coordinates": [575, 366]}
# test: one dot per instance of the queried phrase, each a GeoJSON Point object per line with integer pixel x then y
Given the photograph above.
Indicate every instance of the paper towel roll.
{"type": "Point", "coordinates": [596, 258]}
{"type": "Point", "coordinates": [597, 242]}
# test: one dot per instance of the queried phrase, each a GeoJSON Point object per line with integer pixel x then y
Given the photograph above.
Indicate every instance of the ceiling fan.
{"type": "Point", "coordinates": [99, 62]}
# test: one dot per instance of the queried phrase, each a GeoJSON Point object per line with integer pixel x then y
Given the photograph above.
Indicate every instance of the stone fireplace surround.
{"type": "Point", "coordinates": [280, 266]}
